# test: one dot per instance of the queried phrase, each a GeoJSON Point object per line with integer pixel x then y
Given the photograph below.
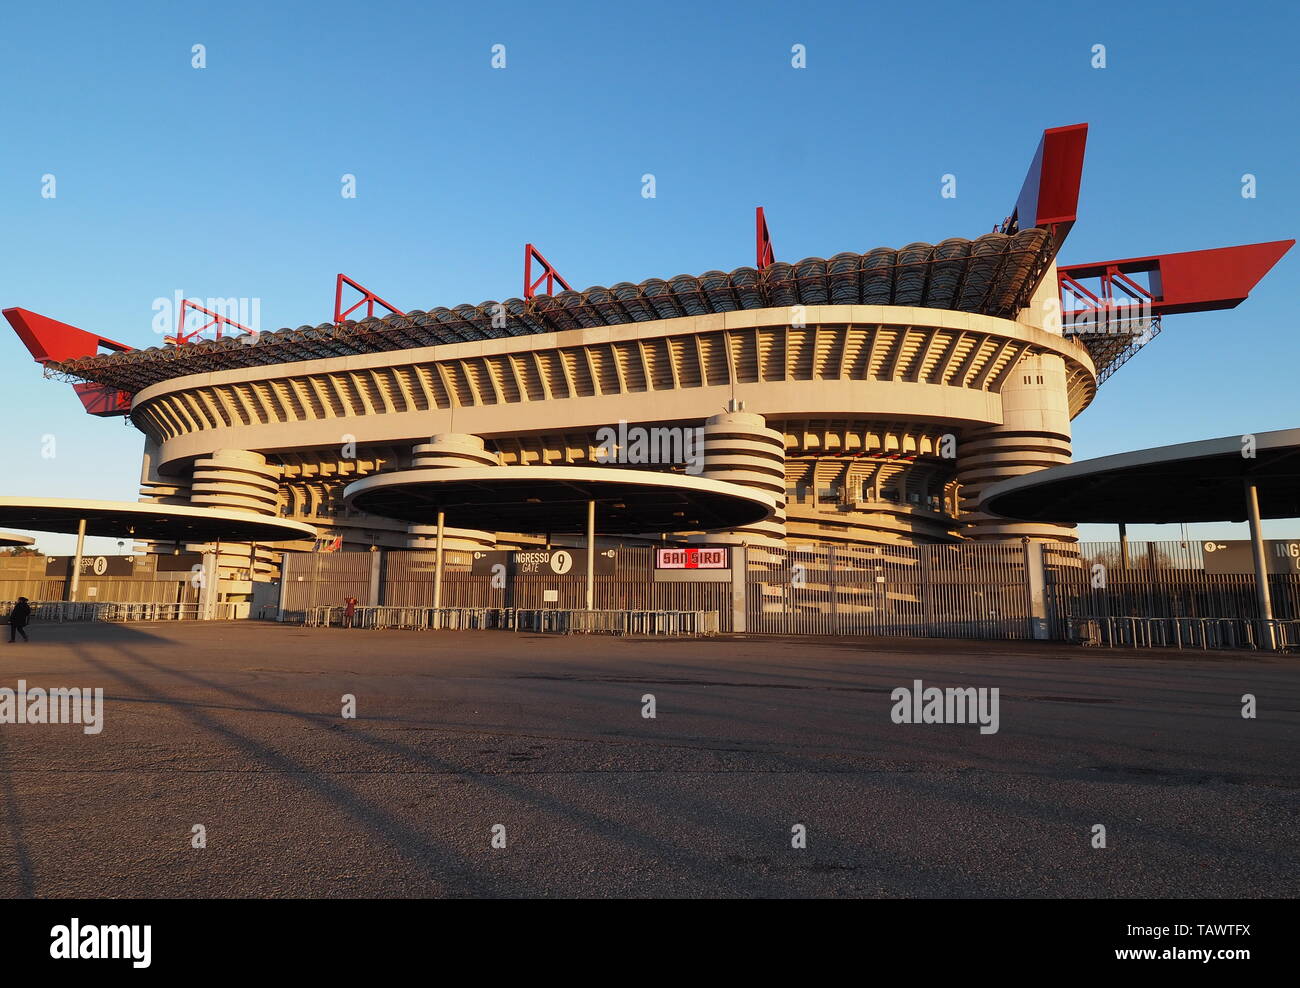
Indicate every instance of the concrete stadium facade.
{"type": "Point", "coordinates": [866, 399]}
{"type": "Point", "coordinates": [845, 413]}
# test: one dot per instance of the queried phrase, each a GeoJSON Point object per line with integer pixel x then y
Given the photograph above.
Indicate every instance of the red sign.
{"type": "Point", "coordinates": [692, 557]}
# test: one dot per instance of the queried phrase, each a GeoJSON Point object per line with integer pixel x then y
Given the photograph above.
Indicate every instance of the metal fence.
{"type": "Point", "coordinates": [957, 591]}
{"type": "Point", "coordinates": [1183, 632]}
{"type": "Point", "coordinates": [1157, 594]}
{"type": "Point", "coordinates": [405, 579]}
{"type": "Point", "coordinates": [319, 578]}
{"type": "Point", "coordinates": [547, 620]}
{"type": "Point", "coordinates": [946, 591]}
{"type": "Point", "coordinates": [61, 611]}
{"type": "Point", "coordinates": [1157, 580]}
{"type": "Point", "coordinates": [53, 611]}
{"type": "Point", "coordinates": [996, 590]}
{"type": "Point", "coordinates": [33, 576]}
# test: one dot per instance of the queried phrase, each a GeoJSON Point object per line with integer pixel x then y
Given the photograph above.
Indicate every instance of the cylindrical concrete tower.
{"type": "Point", "coordinates": [449, 450]}
{"type": "Point", "coordinates": [740, 449]}
{"type": "Point", "coordinates": [238, 480]}
{"type": "Point", "coordinates": [1034, 434]}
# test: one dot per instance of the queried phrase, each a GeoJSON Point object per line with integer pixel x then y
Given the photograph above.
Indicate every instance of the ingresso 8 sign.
{"type": "Point", "coordinates": [692, 557]}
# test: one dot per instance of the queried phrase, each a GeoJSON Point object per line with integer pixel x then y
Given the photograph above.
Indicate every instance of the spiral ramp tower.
{"type": "Point", "coordinates": [1035, 435]}
{"type": "Point", "coordinates": [740, 449]}
{"type": "Point", "coordinates": [450, 451]}
{"type": "Point", "coordinates": [239, 480]}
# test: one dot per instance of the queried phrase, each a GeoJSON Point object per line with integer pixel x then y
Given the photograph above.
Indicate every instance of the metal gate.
{"type": "Point", "coordinates": [992, 590]}
{"type": "Point", "coordinates": [957, 591]}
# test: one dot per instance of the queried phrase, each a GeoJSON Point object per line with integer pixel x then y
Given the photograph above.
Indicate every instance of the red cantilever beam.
{"type": "Point", "coordinates": [51, 342]}
{"type": "Point", "coordinates": [368, 298]}
{"type": "Point", "coordinates": [1049, 197]}
{"type": "Point", "coordinates": [1190, 281]}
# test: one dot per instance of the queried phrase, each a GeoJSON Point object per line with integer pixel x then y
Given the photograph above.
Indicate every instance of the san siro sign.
{"type": "Point", "coordinates": [1236, 556]}
{"type": "Point", "coordinates": [693, 557]}
{"type": "Point", "coordinates": [693, 564]}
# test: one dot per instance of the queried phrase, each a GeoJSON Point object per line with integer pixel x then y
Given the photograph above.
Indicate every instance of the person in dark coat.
{"type": "Point", "coordinates": [18, 618]}
{"type": "Point", "coordinates": [349, 611]}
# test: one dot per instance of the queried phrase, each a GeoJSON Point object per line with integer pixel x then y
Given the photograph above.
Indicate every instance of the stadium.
{"type": "Point", "coordinates": [868, 399]}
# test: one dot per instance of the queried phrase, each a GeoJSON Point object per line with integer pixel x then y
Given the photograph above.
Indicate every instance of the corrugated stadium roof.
{"type": "Point", "coordinates": [993, 275]}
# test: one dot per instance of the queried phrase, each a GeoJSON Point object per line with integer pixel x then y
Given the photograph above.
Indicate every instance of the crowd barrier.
{"type": "Point", "coordinates": [147, 612]}
{"type": "Point", "coordinates": [53, 611]}
{"type": "Point", "coordinates": [543, 620]}
{"type": "Point", "coordinates": [60, 611]}
{"type": "Point", "coordinates": [1184, 632]}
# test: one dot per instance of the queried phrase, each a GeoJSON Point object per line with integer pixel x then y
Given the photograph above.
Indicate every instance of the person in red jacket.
{"type": "Point", "coordinates": [349, 611]}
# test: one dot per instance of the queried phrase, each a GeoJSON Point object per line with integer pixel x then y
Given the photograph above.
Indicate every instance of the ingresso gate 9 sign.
{"type": "Point", "coordinates": [693, 557]}
{"type": "Point", "coordinates": [542, 563]}
{"type": "Point", "coordinates": [1237, 556]}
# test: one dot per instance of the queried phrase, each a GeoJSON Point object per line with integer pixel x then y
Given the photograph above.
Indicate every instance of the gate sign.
{"type": "Point", "coordinates": [542, 563]}
{"type": "Point", "coordinates": [1236, 556]}
{"type": "Point", "coordinates": [61, 566]}
{"type": "Point", "coordinates": [693, 557]}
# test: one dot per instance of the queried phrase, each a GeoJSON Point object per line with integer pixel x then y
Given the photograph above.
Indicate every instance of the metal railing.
{"type": "Point", "coordinates": [122, 613]}
{"type": "Point", "coordinates": [61, 611]}
{"type": "Point", "coordinates": [53, 611]}
{"type": "Point", "coordinates": [673, 623]}
{"type": "Point", "coordinates": [1184, 632]}
{"type": "Point", "coordinates": [542, 620]}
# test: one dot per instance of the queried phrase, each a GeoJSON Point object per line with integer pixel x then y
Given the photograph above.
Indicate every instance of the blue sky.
{"type": "Point", "coordinates": [225, 181]}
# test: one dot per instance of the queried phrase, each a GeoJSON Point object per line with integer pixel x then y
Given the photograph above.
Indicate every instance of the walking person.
{"type": "Point", "coordinates": [18, 618]}
{"type": "Point", "coordinates": [349, 611]}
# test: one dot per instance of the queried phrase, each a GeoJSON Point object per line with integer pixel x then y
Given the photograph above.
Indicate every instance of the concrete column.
{"type": "Point", "coordinates": [1036, 586]}
{"type": "Point", "coordinates": [739, 574]}
{"type": "Point", "coordinates": [209, 585]}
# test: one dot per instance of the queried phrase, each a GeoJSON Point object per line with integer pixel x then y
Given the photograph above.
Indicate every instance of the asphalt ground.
{"type": "Point", "coordinates": [237, 727]}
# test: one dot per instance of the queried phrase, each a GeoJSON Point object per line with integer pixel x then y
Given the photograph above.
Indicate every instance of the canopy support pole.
{"type": "Point", "coordinates": [591, 555]}
{"type": "Point", "coordinates": [75, 586]}
{"type": "Point", "coordinates": [437, 564]}
{"type": "Point", "coordinates": [1261, 568]}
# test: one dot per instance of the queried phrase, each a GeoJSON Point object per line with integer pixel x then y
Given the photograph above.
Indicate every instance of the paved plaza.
{"type": "Point", "coordinates": [541, 743]}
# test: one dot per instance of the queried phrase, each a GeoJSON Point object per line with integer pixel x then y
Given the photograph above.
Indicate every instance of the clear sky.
{"type": "Point", "coordinates": [225, 181]}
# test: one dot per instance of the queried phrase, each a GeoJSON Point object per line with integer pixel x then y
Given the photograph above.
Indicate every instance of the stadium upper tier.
{"type": "Point", "coordinates": [994, 275]}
